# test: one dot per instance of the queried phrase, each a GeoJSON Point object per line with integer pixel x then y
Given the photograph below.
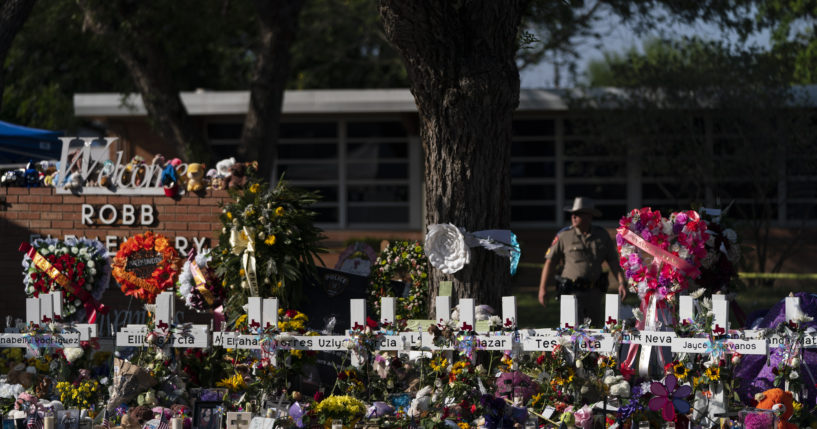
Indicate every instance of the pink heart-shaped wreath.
{"type": "Point", "coordinates": [659, 256]}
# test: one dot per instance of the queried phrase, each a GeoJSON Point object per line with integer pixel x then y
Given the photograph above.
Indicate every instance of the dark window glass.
{"type": "Point", "coordinates": [224, 131]}
{"type": "Point", "coordinates": [300, 130]}
{"type": "Point", "coordinates": [532, 169]}
{"type": "Point", "coordinates": [392, 170]}
{"type": "Point", "coordinates": [532, 192]}
{"type": "Point", "coordinates": [801, 211]}
{"type": "Point", "coordinates": [222, 151]}
{"type": "Point", "coordinates": [595, 169]}
{"type": "Point", "coordinates": [309, 171]}
{"type": "Point", "coordinates": [308, 150]}
{"type": "Point", "coordinates": [598, 191]}
{"type": "Point", "coordinates": [326, 214]}
{"type": "Point", "coordinates": [669, 191]}
{"type": "Point", "coordinates": [611, 211]}
{"type": "Point", "coordinates": [378, 214]}
{"type": "Point", "coordinates": [532, 213]}
{"type": "Point", "coordinates": [541, 127]}
{"type": "Point", "coordinates": [376, 150]}
{"type": "Point", "coordinates": [801, 189]}
{"type": "Point", "coordinates": [592, 148]}
{"type": "Point", "coordinates": [327, 193]}
{"type": "Point", "coordinates": [376, 129]}
{"type": "Point", "coordinates": [538, 148]}
{"type": "Point", "coordinates": [747, 211]}
{"type": "Point", "coordinates": [380, 193]}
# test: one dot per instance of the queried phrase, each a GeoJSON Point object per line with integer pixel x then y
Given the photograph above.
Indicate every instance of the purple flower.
{"type": "Point", "coordinates": [681, 218]}
{"type": "Point", "coordinates": [669, 397]}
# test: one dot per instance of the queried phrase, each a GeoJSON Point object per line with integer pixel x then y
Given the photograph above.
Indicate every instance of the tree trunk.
{"type": "Point", "coordinates": [147, 65]}
{"type": "Point", "coordinates": [278, 25]}
{"type": "Point", "coordinates": [13, 14]}
{"type": "Point", "coordinates": [460, 61]}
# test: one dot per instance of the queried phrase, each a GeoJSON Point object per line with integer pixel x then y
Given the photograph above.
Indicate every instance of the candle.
{"type": "Point", "coordinates": [176, 423]}
{"type": "Point", "coordinates": [337, 424]}
{"type": "Point", "coordinates": [48, 422]}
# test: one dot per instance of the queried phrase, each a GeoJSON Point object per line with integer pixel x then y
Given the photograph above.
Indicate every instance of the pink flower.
{"type": "Point", "coordinates": [584, 417]}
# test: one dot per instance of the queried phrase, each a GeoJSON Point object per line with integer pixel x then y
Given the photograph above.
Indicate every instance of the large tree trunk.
{"type": "Point", "coordinates": [147, 64]}
{"type": "Point", "coordinates": [278, 25]}
{"type": "Point", "coordinates": [13, 14]}
{"type": "Point", "coordinates": [460, 60]}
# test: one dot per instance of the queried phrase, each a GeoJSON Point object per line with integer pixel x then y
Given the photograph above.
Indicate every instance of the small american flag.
{"type": "Point", "coordinates": [106, 422]}
{"type": "Point", "coordinates": [34, 420]}
{"type": "Point", "coordinates": [163, 423]}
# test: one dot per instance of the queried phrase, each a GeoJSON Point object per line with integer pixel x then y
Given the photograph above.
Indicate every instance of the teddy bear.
{"type": "Point", "coordinates": [195, 177]}
{"type": "Point", "coordinates": [779, 400]}
{"type": "Point", "coordinates": [223, 167]}
{"type": "Point", "coordinates": [238, 176]}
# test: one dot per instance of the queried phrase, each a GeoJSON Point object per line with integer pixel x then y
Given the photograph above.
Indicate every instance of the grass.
{"type": "Point", "coordinates": [532, 315]}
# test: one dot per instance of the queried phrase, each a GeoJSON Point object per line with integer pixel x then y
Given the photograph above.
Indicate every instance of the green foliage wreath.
{"type": "Point", "coordinates": [406, 261]}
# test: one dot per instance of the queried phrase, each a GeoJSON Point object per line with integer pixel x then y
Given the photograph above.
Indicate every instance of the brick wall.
{"type": "Point", "coordinates": [28, 211]}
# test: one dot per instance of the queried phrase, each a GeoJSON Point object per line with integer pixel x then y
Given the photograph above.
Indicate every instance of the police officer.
{"type": "Point", "coordinates": [582, 247]}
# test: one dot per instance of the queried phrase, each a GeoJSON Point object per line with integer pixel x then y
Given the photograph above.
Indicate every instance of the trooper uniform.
{"type": "Point", "coordinates": [583, 255]}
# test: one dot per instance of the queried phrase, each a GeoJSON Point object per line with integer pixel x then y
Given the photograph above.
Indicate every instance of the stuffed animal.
{"type": "Point", "coordinates": [32, 176]}
{"type": "Point", "coordinates": [238, 176]}
{"type": "Point", "coordinates": [780, 401]}
{"type": "Point", "coordinates": [224, 166]}
{"type": "Point", "coordinates": [195, 177]}
{"type": "Point", "coordinates": [106, 173]}
{"type": "Point", "coordinates": [170, 179]}
{"type": "Point", "coordinates": [12, 178]}
{"type": "Point", "coordinates": [134, 171]}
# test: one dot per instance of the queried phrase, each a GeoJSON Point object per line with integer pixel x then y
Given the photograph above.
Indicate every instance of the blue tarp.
{"type": "Point", "coordinates": [19, 144]}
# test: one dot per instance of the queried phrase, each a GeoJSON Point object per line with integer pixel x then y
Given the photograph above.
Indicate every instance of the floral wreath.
{"type": "Point", "coordinates": [80, 268]}
{"type": "Point", "coordinates": [406, 259]}
{"type": "Point", "coordinates": [683, 237]}
{"type": "Point", "coordinates": [143, 284]}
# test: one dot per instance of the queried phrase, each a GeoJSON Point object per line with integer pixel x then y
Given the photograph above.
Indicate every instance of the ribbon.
{"type": "Point", "coordinates": [659, 253]}
{"type": "Point", "coordinates": [198, 277]}
{"type": "Point", "coordinates": [244, 242]}
{"type": "Point", "coordinates": [92, 306]}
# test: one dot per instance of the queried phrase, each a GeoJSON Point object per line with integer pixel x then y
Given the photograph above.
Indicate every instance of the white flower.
{"type": "Point", "coordinates": [579, 363]}
{"type": "Point", "coordinates": [11, 390]}
{"type": "Point", "coordinates": [621, 389]}
{"type": "Point", "coordinates": [446, 249]}
{"type": "Point", "coordinates": [73, 353]}
{"type": "Point", "coordinates": [731, 235]}
{"type": "Point", "coordinates": [495, 321]}
{"type": "Point", "coordinates": [795, 362]}
{"type": "Point", "coordinates": [794, 375]}
{"type": "Point", "coordinates": [90, 264]}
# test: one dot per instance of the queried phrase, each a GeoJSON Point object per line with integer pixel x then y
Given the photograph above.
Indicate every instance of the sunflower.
{"type": "Point", "coordinates": [680, 371]}
{"type": "Point", "coordinates": [713, 373]}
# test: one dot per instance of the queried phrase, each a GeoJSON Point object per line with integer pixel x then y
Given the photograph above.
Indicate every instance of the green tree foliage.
{"type": "Point", "coordinates": [341, 44]}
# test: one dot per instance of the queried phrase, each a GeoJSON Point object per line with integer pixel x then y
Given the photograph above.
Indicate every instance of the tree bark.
{"type": "Point", "coordinates": [459, 56]}
{"type": "Point", "coordinates": [13, 14]}
{"type": "Point", "coordinates": [278, 26]}
{"type": "Point", "coordinates": [147, 64]}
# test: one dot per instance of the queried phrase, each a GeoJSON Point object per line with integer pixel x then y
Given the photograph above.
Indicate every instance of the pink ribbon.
{"type": "Point", "coordinates": [659, 253]}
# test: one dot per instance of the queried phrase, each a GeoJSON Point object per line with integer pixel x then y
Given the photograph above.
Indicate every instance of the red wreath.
{"type": "Point", "coordinates": [143, 284]}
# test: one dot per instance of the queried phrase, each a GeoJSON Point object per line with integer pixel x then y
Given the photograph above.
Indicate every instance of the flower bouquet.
{"type": "Point", "coordinates": [198, 284]}
{"type": "Point", "coordinates": [268, 244]}
{"type": "Point", "coordinates": [145, 265]}
{"type": "Point", "coordinates": [347, 409]}
{"type": "Point", "coordinates": [80, 268]}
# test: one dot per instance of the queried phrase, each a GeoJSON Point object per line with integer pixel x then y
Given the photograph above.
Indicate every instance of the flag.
{"type": "Point", "coordinates": [163, 423]}
{"type": "Point", "coordinates": [106, 422]}
{"type": "Point", "coordinates": [34, 421]}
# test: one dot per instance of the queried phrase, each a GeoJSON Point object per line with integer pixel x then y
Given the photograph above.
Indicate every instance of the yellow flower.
{"type": "Point", "coordinates": [463, 425]}
{"type": "Point", "coordinates": [713, 373]}
{"type": "Point", "coordinates": [254, 188]}
{"type": "Point", "coordinates": [680, 371]}
{"type": "Point", "coordinates": [235, 383]}
{"type": "Point", "coordinates": [241, 272]}
{"type": "Point", "coordinates": [279, 211]}
{"type": "Point", "coordinates": [229, 216]}
{"type": "Point", "coordinates": [270, 240]}
{"type": "Point", "coordinates": [438, 364]}
{"type": "Point", "coordinates": [241, 321]}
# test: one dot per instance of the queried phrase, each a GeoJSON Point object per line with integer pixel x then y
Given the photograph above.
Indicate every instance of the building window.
{"type": "Point", "coordinates": [367, 172]}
